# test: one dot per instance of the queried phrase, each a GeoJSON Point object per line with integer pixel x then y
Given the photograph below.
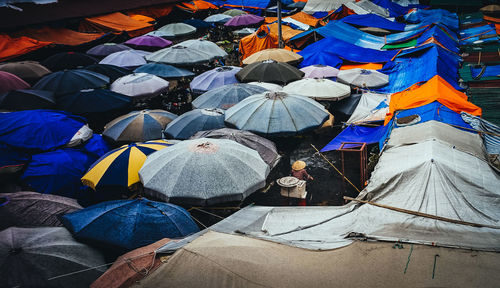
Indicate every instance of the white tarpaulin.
{"type": "Point", "coordinates": [371, 107]}
{"type": "Point", "coordinates": [324, 5]}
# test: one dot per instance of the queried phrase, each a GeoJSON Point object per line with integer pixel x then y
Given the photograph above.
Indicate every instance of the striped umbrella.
{"type": "Point", "coordinates": [120, 167]}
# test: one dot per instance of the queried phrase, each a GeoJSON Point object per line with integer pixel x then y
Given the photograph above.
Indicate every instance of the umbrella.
{"type": "Point", "coordinates": [164, 71]}
{"type": "Point", "coordinates": [269, 71]}
{"type": "Point", "coordinates": [320, 71]}
{"type": "Point", "coordinates": [68, 60]}
{"type": "Point", "coordinates": [9, 82]}
{"type": "Point", "coordinates": [29, 71]}
{"type": "Point", "coordinates": [58, 172]}
{"type": "Point", "coordinates": [120, 167]}
{"type": "Point", "coordinates": [214, 78]}
{"type": "Point", "coordinates": [226, 96]}
{"type": "Point", "coordinates": [130, 224]}
{"type": "Point", "coordinates": [244, 20]}
{"type": "Point", "coordinates": [112, 71]}
{"type": "Point", "coordinates": [148, 41]}
{"type": "Point", "coordinates": [244, 32]}
{"type": "Point", "coordinates": [193, 121]}
{"type": "Point", "coordinates": [31, 209]}
{"type": "Point", "coordinates": [35, 257]}
{"type": "Point", "coordinates": [319, 89]}
{"type": "Point", "coordinates": [276, 54]}
{"type": "Point", "coordinates": [127, 58]}
{"type": "Point", "coordinates": [180, 55]}
{"type": "Point", "coordinates": [138, 126]}
{"type": "Point", "coordinates": [197, 23]}
{"type": "Point", "coordinates": [277, 114]}
{"type": "Point", "coordinates": [140, 85]}
{"type": "Point", "coordinates": [40, 130]}
{"type": "Point", "coordinates": [267, 86]}
{"type": "Point", "coordinates": [204, 45]}
{"type": "Point", "coordinates": [158, 33]}
{"type": "Point", "coordinates": [217, 18]}
{"type": "Point", "coordinates": [96, 146]}
{"type": "Point", "coordinates": [363, 77]}
{"type": "Point", "coordinates": [177, 30]}
{"type": "Point", "coordinates": [70, 81]}
{"type": "Point", "coordinates": [266, 148]}
{"type": "Point", "coordinates": [204, 172]}
{"type": "Point", "coordinates": [93, 101]}
{"type": "Point", "coordinates": [234, 12]}
{"type": "Point", "coordinates": [490, 9]}
{"type": "Point", "coordinates": [27, 100]}
{"type": "Point", "coordinates": [105, 49]}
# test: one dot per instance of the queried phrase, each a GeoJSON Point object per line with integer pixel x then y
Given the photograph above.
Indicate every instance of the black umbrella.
{"type": "Point", "coordinates": [32, 209]}
{"type": "Point", "coordinates": [269, 71]}
{"type": "Point", "coordinates": [41, 257]}
{"type": "Point", "coordinates": [27, 100]}
{"type": "Point", "coordinates": [93, 101]}
{"type": "Point", "coordinates": [70, 81]}
{"type": "Point", "coordinates": [112, 71]}
{"type": "Point", "coordinates": [68, 60]}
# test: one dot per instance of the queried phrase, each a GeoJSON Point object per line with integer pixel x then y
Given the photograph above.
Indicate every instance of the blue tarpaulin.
{"type": "Point", "coordinates": [254, 6]}
{"type": "Point", "coordinates": [485, 71]}
{"type": "Point", "coordinates": [354, 133]}
{"type": "Point", "coordinates": [373, 20]}
{"type": "Point", "coordinates": [434, 16]}
{"type": "Point", "coordinates": [394, 8]}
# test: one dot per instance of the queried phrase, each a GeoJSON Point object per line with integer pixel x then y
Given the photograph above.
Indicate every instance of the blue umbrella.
{"type": "Point", "coordinates": [40, 130]}
{"type": "Point", "coordinates": [164, 71]}
{"type": "Point", "coordinates": [93, 101]}
{"type": "Point", "coordinates": [214, 78]}
{"type": "Point", "coordinates": [112, 71]}
{"type": "Point", "coordinates": [105, 49]}
{"type": "Point", "coordinates": [226, 96]}
{"type": "Point", "coordinates": [96, 146]}
{"type": "Point", "coordinates": [193, 121]}
{"type": "Point", "coordinates": [69, 81]}
{"type": "Point", "coordinates": [130, 224]}
{"type": "Point", "coordinates": [26, 99]}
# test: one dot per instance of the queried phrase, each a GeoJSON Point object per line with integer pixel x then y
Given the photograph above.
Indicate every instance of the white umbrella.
{"type": "Point", "coordinates": [319, 89]}
{"type": "Point", "coordinates": [205, 46]}
{"type": "Point", "coordinates": [180, 55]}
{"type": "Point", "coordinates": [320, 71]}
{"type": "Point", "coordinates": [139, 85]}
{"type": "Point", "coordinates": [268, 86]}
{"type": "Point", "coordinates": [363, 77]}
{"type": "Point", "coordinates": [127, 58]}
{"type": "Point", "coordinates": [177, 29]}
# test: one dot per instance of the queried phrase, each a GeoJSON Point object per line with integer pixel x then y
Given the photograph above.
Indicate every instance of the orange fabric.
{"type": "Point", "coordinates": [195, 6]}
{"type": "Point", "coordinates": [497, 28]}
{"type": "Point", "coordinates": [286, 31]}
{"type": "Point", "coordinates": [155, 12]}
{"type": "Point", "coordinates": [270, 19]}
{"type": "Point", "coordinates": [142, 18]}
{"type": "Point", "coordinates": [491, 19]}
{"type": "Point", "coordinates": [115, 22]}
{"type": "Point", "coordinates": [436, 89]}
{"type": "Point", "coordinates": [60, 36]}
{"type": "Point", "coordinates": [13, 47]}
{"type": "Point", "coordinates": [372, 66]}
{"type": "Point", "coordinates": [306, 19]}
{"type": "Point", "coordinates": [344, 12]}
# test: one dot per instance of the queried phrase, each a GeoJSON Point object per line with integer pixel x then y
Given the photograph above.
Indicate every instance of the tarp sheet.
{"type": "Point", "coordinates": [115, 22]}
{"type": "Point", "coordinates": [14, 47]}
{"type": "Point", "coordinates": [324, 5]}
{"type": "Point", "coordinates": [485, 71]}
{"type": "Point", "coordinates": [61, 36]}
{"type": "Point", "coordinates": [353, 133]}
{"type": "Point", "coordinates": [394, 8]}
{"type": "Point", "coordinates": [434, 16]}
{"type": "Point", "coordinates": [373, 20]}
{"type": "Point", "coordinates": [492, 138]}
{"type": "Point", "coordinates": [371, 107]}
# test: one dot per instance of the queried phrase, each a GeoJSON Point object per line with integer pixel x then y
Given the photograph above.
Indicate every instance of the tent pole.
{"type": "Point", "coordinates": [280, 36]}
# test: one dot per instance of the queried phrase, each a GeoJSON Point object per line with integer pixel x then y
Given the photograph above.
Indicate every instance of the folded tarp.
{"type": "Point", "coordinates": [115, 22]}
{"type": "Point", "coordinates": [14, 47]}
{"type": "Point", "coordinates": [371, 107]}
{"type": "Point", "coordinates": [353, 133]}
{"type": "Point", "coordinates": [373, 20]}
{"type": "Point", "coordinates": [61, 36]}
{"type": "Point", "coordinates": [491, 138]}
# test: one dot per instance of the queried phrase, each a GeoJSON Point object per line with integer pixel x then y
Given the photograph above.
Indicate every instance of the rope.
{"type": "Point", "coordinates": [408, 261]}
{"type": "Point", "coordinates": [79, 271]}
{"type": "Point", "coordinates": [199, 222]}
{"type": "Point", "coordinates": [212, 214]}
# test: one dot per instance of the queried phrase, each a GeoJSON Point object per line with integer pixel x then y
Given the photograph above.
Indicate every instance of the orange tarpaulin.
{"type": "Point", "coordinates": [155, 12]}
{"type": "Point", "coordinates": [61, 36]}
{"type": "Point", "coordinates": [13, 47]}
{"type": "Point", "coordinates": [491, 19]}
{"type": "Point", "coordinates": [436, 89]}
{"type": "Point", "coordinates": [306, 19]}
{"type": "Point", "coordinates": [372, 66]}
{"type": "Point", "coordinates": [195, 6]}
{"type": "Point", "coordinates": [142, 18]}
{"type": "Point", "coordinates": [115, 22]}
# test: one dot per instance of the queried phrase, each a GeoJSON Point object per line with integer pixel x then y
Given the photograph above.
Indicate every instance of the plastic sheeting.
{"type": "Point", "coordinates": [371, 107]}
{"type": "Point", "coordinates": [372, 20]}
{"type": "Point", "coordinates": [13, 47]}
{"type": "Point", "coordinates": [61, 36]}
{"type": "Point", "coordinates": [115, 22]}
{"type": "Point", "coordinates": [324, 5]}
{"type": "Point", "coordinates": [492, 138]}
{"type": "Point", "coordinates": [353, 133]}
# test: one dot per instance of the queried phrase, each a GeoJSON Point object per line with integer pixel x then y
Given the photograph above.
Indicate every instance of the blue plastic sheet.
{"type": "Point", "coordinates": [354, 133]}
{"type": "Point", "coordinates": [434, 16]}
{"type": "Point", "coordinates": [486, 71]}
{"type": "Point", "coordinates": [476, 30]}
{"type": "Point", "coordinates": [440, 34]}
{"type": "Point", "coordinates": [373, 20]}
{"type": "Point", "coordinates": [350, 34]}
{"type": "Point", "coordinates": [395, 9]}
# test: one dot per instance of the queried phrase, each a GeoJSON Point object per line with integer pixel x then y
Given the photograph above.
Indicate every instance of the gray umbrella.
{"type": "Point", "coordinates": [205, 46]}
{"type": "Point", "coordinates": [266, 148]}
{"type": "Point", "coordinates": [277, 114]}
{"type": "Point", "coordinates": [193, 121]}
{"type": "Point", "coordinates": [180, 55]}
{"type": "Point", "coordinates": [204, 172]}
{"type": "Point", "coordinates": [35, 257]}
{"type": "Point", "coordinates": [32, 209]}
{"type": "Point", "coordinates": [177, 29]}
{"type": "Point", "coordinates": [226, 96]}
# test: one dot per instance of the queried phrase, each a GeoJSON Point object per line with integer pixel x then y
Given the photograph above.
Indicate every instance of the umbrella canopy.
{"type": "Point", "coordinates": [130, 224]}
{"type": "Point", "coordinates": [363, 77]}
{"type": "Point", "coordinates": [276, 54]}
{"type": "Point", "coordinates": [29, 71]}
{"type": "Point", "coordinates": [267, 86]}
{"type": "Point", "coordinates": [27, 100]}
{"type": "Point", "coordinates": [30, 257]}
{"type": "Point", "coordinates": [105, 49]}
{"type": "Point", "coordinates": [277, 114]}
{"type": "Point", "coordinates": [204, 172]}
{"type": "Point", "coordinates": [320, 71]}
{"type": "Point", "coordinates": [218, 18]}
{"type": "Point", "coordinates": [112, 71]}
{"type": "Point", "coordinates": [148, 41]}
{"type": "Point", "coordinates": [93, 101]}
{"type": "Point", "coordinates": [127, 58]}
{"type": "Point", "coordinates": [266, 148]}
{"type": "Point", "coordinates": [269, 71]}
{"type": "Point", "coordinates": [226, 96]}
{"type": "Point", "coordinates": [138, 126]}
{"type": "Point", "coordinates": [244, 32]}
{"type": "Point", "coordinates": [197, 23]}
{"type": "Point", "coordinates": [31, 209]}
{"type": "Point", "coordinates": [319, 89]}
{"type": "Point", "coordinates": [70, 81]}
{"type": "Point", "coordinates": [68, 60]}
{"type": "Point", "coordinates": [214, 78]}
{"type": "Point", "coordinates": [244, 20]}
{"type": "Point", "coordinates": [204, 45]}
{"type": "Point", "coordinates": [120, 167]}
{"type": "Point", "coordinates": [9, 82]}
{"type": "Point", "coordinates": [140, 85]}
{"type": "Point", "coordinates": [180, 55]}
{"type": "Point", "coordinates": [234, 12]}
{"type": "Point", "coordinates": [164, 71]}
{"type": "Point", "coordinates": [177, 30]}
{"type": "Point", "coordinates": [193, 121]}
{"type": "Point", "coordinates": [158, 33]}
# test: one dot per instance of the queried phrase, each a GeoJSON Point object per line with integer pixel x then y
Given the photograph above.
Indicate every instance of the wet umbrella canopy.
{"type": "Point", "coordinates": [319, 89]}
{"type": "Point", "coordinates": [105, 49]}
{"type": "Point", "coordinates": [218, 18]}
{"type": "Point", "coordinates": [177, 30]}
{"type": "Point", "coordinates": [204, 45]}
{"type": "Point", "coordinates": [9, 82]}
{"type": "Point", "coordinates": [193, 121]}
{"type": "Point", "coordinates": [204, 172]}
{"type": "Point", "coordinates": [127, 58]}
{"type": "Point", "coordinates": [244, 20]}
{"type": "Point", "coordinates": [320, 71]}
{"type": "Point", "coordinates": [164, 71]}
{"type": "Point", "coordinates": [276, 54]}
{"type": "Point", "coordinates": [112, 71]}
{"type": "Point", "coordinates": [226, 96]}
{"type": "Point", "coordinates": [180, 55]}
{"type": "Point", "coordinates": [363, 77]}
{"type": "Point", "coordinates": [93, 101]}
{"type": "Point", "coordinates": [234, 12]}
{"type": "Point", "coordinates": [29, 71]}
{"type": "Point", "coordinates": [268, 86]}
{"type": "Point", "coordinates": [149, 41]}
{"type": "Point", "coordinates": [140, 85]}
{"type": "Point", "coordinates": [277, 114]}
{"type": "Point", "coordinates": [269, 71]}
{"type": "Point", "coordinates": [27, 100]}
{"type": "Point", "coordinates": [214, 78]}
{"type": "Point", "coordinates": [130, 224]}
{"type": "Point", "coordinates": [30, 257]}
{"type": "Point", "coordinates": [70, 81]}
{"type": "Point", "coordinates": [68, 60]}
{"type": "Point", "coordinates": [244, 32]}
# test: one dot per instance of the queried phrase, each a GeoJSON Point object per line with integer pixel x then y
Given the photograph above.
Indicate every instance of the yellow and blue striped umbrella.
{"type": "Point", "coordinates": [120, 167]}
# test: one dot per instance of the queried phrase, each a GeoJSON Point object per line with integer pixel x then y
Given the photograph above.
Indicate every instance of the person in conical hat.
{"type": "Point", "coordinates": [299, 171]}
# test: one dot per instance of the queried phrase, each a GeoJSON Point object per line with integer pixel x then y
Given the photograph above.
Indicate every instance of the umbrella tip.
{"type": "Point", "coordinates": [275, 95]}
{"type": "Point", "coordinates": [205, 147]}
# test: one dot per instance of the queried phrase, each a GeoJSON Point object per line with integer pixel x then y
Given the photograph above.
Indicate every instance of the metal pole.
{"type": "Point", "coordinates": [280, 36]}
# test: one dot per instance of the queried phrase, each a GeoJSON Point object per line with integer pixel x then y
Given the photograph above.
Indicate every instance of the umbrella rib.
{"type": "Point", "coordinates": [291, 118]}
